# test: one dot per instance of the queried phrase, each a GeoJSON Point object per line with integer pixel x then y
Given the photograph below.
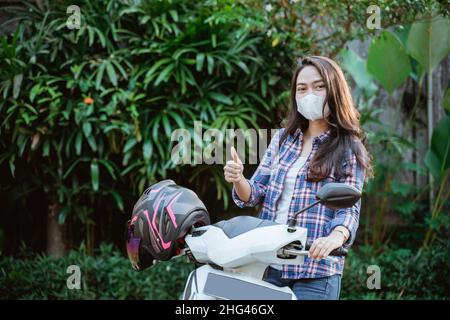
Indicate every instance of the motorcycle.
{"type": "Point", "coordinates": [232, 256]}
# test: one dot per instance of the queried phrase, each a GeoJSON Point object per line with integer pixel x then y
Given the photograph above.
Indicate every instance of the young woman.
{"type": "Point", "coordinates": [322, 142]}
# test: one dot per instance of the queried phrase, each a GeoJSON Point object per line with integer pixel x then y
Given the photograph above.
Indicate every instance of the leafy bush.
{"type": "Point", "coordinates": [405, 274]}
{"type": "Point", "coordinates": [107, 275]}
{"type": "Point", "coordinates": [86, 115]}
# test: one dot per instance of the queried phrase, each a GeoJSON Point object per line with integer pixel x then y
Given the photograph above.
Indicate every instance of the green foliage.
{"type": "Point", "coordinates": [408, 51]}
{"type": "Point", "coordinates": [405, 274]}
{"type": "Point", "coordinates": [388, 62]}
{"type": "Point", "coordinates": [425, 42]}
{"type": "Point", "coordinates": [437, 158]}
{"type": "Point", "coordinates": [106, 275]}
{"type": "Point", "coordinates": [388, 189]}
{"type": "Point", "coordinates": [357, 68]}
{"type": "Point", "coordinates": [93, 109]}
{"type": "Point", "coordinates": [446, 103]}
{"type": "Point", "coordinates": [87, 115]}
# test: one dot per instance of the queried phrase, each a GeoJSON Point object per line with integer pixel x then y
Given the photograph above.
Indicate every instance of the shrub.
{"type": "Point", "coordinates": [405, 274]}
{"type": "Point", "coordinates": [107, 275]}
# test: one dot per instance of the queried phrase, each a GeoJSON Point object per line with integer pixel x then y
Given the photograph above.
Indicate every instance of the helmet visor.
{"type": "Point", "coordinates": [133, 247]}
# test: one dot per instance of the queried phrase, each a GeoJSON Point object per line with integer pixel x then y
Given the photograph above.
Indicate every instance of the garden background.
{"type": "Point", "coordinates": [86, 117]}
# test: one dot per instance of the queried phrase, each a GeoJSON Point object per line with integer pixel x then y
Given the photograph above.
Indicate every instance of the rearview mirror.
{"type": "Point", "coordinates": [335, 195]}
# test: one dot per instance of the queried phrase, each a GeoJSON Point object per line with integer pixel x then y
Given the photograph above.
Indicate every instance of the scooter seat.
{"type": "Point", "coordinates": [241, 224]}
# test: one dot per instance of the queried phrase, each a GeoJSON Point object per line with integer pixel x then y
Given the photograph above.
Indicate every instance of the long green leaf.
{"type": "Point", "coordinates": [95, 175]}
{"type": "Point", "coordinates": [111, 73]}
{"type": "Point", "coordinates": [219, 97]}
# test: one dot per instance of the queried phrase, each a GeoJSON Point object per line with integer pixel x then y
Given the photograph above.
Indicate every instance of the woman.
{"type": "Point", "coordinates": [322, 142]}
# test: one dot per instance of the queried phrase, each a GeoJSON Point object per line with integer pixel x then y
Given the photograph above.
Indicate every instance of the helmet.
{"type": "Point", "coordinates": [161, 218]}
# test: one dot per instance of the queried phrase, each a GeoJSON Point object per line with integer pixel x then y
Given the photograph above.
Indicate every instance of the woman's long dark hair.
{"type": "Point", "coordinates": [343, 121]}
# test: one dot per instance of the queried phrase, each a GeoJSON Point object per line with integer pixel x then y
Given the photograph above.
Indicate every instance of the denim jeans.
{"type": "Point", "coordinates": [326, 288]}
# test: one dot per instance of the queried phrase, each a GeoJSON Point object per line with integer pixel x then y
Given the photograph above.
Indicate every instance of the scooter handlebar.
{"type": "Point", "coordinates": [339, 252]}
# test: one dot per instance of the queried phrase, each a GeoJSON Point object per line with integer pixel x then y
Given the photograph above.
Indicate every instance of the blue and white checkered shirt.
{"type": "Point", "coordinates": [267, 186]}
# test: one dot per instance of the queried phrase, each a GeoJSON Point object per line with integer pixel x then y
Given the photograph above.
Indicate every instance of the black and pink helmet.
{"type": "Point", "coordinates": [161, 218]}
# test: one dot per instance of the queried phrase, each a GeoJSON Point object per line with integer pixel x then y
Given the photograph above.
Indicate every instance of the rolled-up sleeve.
{"type": "Point", "coordinates": [349, 217]}
{"type": "Point", "coordinates": [260, 179]}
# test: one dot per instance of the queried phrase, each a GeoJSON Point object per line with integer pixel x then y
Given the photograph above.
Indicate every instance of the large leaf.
{"type": "Point", "coordinates": [357, 68]}
{"type": "Point", "coordinates": [433, 164]}
{"type": "Point", "coordinates": [428, 41]}
{"type": "Point", "coordinates": [437, 158]}
{"type": "Point", "coordinates": [446, 101]}
{"type": "Point", "coordinates": [388, 62]}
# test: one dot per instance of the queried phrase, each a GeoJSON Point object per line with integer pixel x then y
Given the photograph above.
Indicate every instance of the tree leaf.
{"type": "Point", "coordinates": [357, 68]}
{"type": "Point", "coordinates": [34, 91]}
{"type": "Point", "coordinates": [147, 150]}
{"type": "Point", "coordinates": [63, 215]}
{"type": "Point", "coordinates": [199, 61]}
{"type": "Point", "coordinates": [150, 73]}
{"type": "Point", "coordinates": [388, 62]}
{"type": "Point", "coordinates": [164, 75]}
{"type": "Point", "coordinates": [433, 163]}
{"type": "Point", "coordinates": [210, 60]}
{"type": "Point", "coordinates": [118, 198]}
{"type": "Point", "coordinates": [174, 15]}
{"type": "Point", "coordinates": [73, 165]}
{"type": "Point", "coordinates": [129, 144]}
{"type": "Point", "coordinates": [446, 101]}
{"type": "Point", "coordinates": [78, 143]}
{"type": "Point", "coordinates": [95, 175]}
{"type": "Point", "coordinates": [437, 158]}
{"type": "Point", "coordinates": [166, 125]}
{"type": "Point", "coordinates": [92, 142]}
{"type": "Point", "coordinates": [111, 73]}
{"type": "Point", "coordinates": [87, 129]}
{"type": "Point", "coordinates": [219, 97]}
{"type": "Point", "coordinates": [108, 167]}
{"type": "Point", "coordinates": [428, 42]}
{"type": "Point", "coordinates": [99, 77]}
{"type": "Point", "coordinates": [243, 66]}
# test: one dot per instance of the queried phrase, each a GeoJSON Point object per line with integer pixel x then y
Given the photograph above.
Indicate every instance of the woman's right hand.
{"type": "Point", "coordinates": [233, 170]}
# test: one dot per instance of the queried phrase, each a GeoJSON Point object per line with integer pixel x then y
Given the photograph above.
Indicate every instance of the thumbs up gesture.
{"type": "Point", "coordinates": [234, 168]}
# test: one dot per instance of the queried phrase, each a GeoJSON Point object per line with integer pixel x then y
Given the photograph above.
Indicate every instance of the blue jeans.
{"type": "Point", "coordinates": [326, 288]}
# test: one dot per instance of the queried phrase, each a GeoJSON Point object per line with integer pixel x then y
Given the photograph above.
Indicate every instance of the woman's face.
{"type": "Point", "coordinates": [310, 81]}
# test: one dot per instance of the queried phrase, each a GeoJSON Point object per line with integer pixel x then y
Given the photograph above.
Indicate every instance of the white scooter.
{"type": "Point", "coordinates": [234, 254]}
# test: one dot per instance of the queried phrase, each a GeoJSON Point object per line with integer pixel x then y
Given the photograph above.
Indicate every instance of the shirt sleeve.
{"type": "Point", "coordinates": [349, 217]}
{"type": "Point", "coordinates": [259, 181]}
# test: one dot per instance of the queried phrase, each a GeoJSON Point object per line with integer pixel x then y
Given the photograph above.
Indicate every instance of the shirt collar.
{"type": "Point", "coordinates": [320, 138]}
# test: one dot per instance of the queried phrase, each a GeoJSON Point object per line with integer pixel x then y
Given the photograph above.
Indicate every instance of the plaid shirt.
{"type": "Point", "coordinates": [267, 185]}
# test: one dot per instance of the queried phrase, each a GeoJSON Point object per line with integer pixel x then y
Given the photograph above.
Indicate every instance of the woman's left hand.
{"type": "Point", "coordinates": [322, 247]}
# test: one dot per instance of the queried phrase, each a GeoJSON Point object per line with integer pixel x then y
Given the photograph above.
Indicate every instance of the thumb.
{"type": "Point", "coordinates": [234, 155]}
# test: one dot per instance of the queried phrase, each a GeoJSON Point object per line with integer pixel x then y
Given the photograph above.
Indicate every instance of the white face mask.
{"type": "Point", "coordinates": [310, 106]}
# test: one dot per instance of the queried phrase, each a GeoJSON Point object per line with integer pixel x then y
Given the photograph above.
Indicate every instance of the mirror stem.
{"type": "Point", "coordinates": [291, 222]}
